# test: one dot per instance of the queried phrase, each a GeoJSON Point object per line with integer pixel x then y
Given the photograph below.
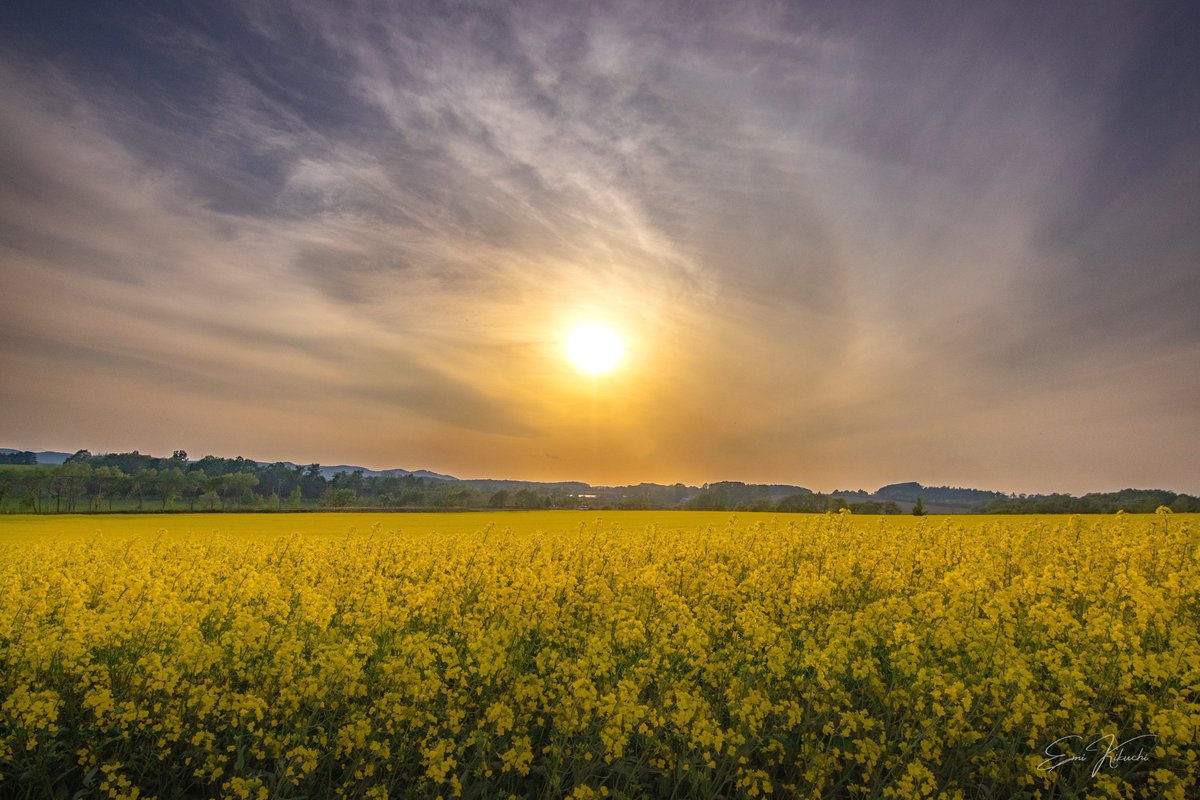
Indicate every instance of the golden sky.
{"type": "Point", "coordinates": [844, 245]}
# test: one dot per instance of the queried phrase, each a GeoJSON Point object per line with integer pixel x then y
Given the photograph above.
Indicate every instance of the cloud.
{"type": "Point", "coordinates": [110, 262]}
{"type": "Point", "coordinates": [841, 243]}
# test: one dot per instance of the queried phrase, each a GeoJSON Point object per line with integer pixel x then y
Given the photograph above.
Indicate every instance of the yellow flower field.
{"type": "Point", "coordinates": [616, 654]}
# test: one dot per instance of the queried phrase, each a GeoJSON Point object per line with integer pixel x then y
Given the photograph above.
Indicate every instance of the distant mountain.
{"type": "Point", "coordinates": [435, 476]}
{"type": "Point", "coordinates": [495, 485]}
{"type": "Point", "coordinates": [329, 472]}
{"type": "Point", "coordinates": [43, 456]}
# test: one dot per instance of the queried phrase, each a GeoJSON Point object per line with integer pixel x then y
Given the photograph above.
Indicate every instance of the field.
{"type": "Point", "coordinates": [620, 654]}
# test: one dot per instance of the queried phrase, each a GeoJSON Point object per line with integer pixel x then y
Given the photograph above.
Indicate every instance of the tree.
{"type": "Point", "coordinates": [280, 478]}
{"type": "Point", "coordinates": [339, 497]}
{"type": "Point", "coordinates": [194, 486]}
{"type": "Point", "coordinates": [919, 508]}
{"type": "Point", "coordinates": [8, 483]}
{"type": "Point", "coordinates": [69, 482]}
{"type": "Point", "coordinates": [713, 497]}
{"type": "Point", "coordinates": [35, 484]}
{"type": "Point", "coordinates": [812, 503]}
{"type": "Point", "coordinates": [140, 482]}
{"type": "Point", "coordinates": [106, 484]}
{"type": "Point", "coordinates": [312, 482]}
{"type": "Point", "coordinates": [352, 481]}
{"type": "Point", "coordinates": [239, 486]}
{"type": "Point", "coordinates": [129, 463]}
{"type": "Point", "coordinates": [875, 507]}
{"type": "Point", "coordinates": [209, 498]}
{"type": "Point", "coordinates": [527, 498]}
{"type": "Point", "coordinates": [1185, 503]}
{"type": "Point", "coordinates": [761, 503]}
{"type": "Point", "coordinates": [171, 483]}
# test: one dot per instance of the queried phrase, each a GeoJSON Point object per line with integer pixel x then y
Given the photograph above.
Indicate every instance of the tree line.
{"type": "Point", "coordinates": [1133, 501]}
{"type": "Point", "coordinates": [138, 482]}
{"type": "Point", "coordinates": [738, 496]}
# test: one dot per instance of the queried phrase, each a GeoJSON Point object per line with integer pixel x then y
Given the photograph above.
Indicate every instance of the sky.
{"type": "Point", "coordinates": [846, 244]}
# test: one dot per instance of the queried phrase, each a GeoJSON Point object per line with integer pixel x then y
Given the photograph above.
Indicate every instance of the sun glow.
{"type": "Point", "coordinates": [595, 349]}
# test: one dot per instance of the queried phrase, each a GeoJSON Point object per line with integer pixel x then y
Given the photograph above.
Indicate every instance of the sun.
{"type": "Point", "coordinates": [595, 349]}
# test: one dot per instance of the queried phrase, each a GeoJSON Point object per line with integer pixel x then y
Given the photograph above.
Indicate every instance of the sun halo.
{"type": "Point", "coordinates": [594, 348]}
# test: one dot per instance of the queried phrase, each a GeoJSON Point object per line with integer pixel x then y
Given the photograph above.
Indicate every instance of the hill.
{"type": "Point", "coordinates": [41, 456]}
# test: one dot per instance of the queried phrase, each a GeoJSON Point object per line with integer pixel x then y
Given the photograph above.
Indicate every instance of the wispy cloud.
{"type": "Point", "coordinates": [850, 245]}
